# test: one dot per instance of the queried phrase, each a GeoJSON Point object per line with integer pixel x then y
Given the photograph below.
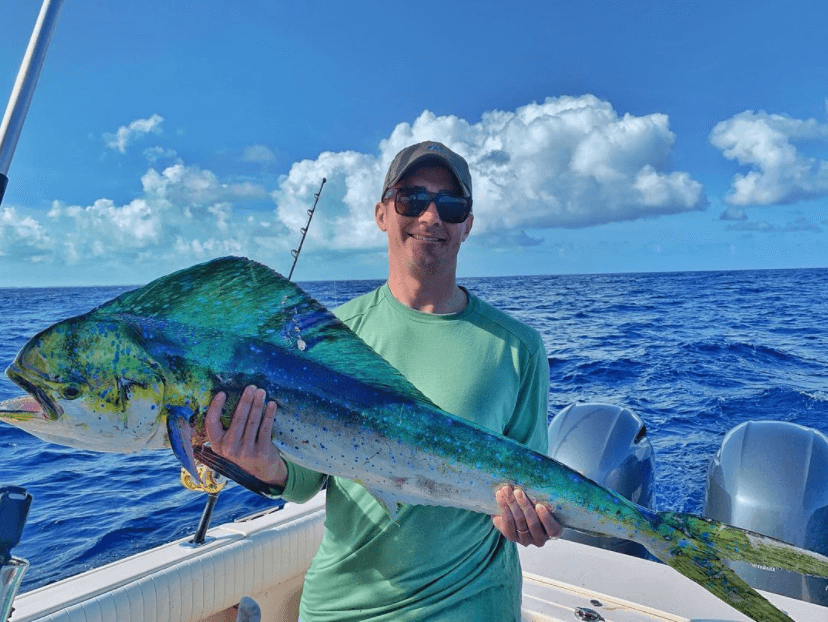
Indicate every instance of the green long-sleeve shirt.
{"type": "Point", "coordinates": [432, 563]}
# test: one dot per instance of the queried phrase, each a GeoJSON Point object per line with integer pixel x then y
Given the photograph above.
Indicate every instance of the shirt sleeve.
{"type": "Point", "coordinates": [528, 422]}
{"type": "Point", "coordinates": [302, 484]}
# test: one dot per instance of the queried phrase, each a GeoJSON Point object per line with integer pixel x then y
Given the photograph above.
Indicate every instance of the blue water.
{"type": "Point", "coordinates": [693, 354]}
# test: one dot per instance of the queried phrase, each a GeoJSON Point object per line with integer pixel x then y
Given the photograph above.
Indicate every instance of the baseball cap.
{"type": "Point", "coordinates": [428, 151]}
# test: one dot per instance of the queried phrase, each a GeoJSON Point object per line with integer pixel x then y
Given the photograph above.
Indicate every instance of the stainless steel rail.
{"type": "Point", "coordinates": [24, 86]}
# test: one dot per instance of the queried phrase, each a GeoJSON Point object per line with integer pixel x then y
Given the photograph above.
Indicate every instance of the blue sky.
{"type": "Point", "coordinates": [602, 136]}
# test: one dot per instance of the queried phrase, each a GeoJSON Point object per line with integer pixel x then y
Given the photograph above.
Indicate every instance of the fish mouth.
{"type": "Point", "coordinates": [51, 410]}
{"type": "Point", "coordinates": [21, 409]}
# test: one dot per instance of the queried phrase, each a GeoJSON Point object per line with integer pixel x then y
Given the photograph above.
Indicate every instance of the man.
{"type": "Point", "coordinates": [430, 563]}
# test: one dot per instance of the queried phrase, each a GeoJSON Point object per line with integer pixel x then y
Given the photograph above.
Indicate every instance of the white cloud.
{"type": "Point", "coordinates": [126, 134]}
{"type": "Point", "coordinates": [193, 188]}
{"type": "Point", "coordinates": [781, 174]}
{"type": "Point", "coordinates": [344, 217]}
{"type": "Point", "coordinates": [259, 153]}
{"type": "Point", "coordinates": [567, 162]}
{"type": "Point", "coordinates": [182, 210]}
{"type": "Point", "coordinates": [22, 236]}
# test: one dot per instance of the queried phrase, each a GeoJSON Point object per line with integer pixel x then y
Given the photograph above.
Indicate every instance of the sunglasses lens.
{"type": "Point", "coordinates": [411, 204]}
{"type": "Point", "coordinates": [452, 209]}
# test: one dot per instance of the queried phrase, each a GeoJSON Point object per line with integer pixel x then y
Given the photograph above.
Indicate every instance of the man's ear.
{"type": "Point", "coordinates": [469, 222]}
{"type": "Point", "coordinates": [380, 215]}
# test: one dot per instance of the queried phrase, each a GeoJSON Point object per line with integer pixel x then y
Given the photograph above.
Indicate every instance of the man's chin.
{"type": "Point", "coordinates": [427, 266]}
{"type": "Point", "coordinates": [420, 272]}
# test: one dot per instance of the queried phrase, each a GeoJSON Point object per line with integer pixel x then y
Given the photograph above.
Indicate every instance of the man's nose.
{"type": "Point", "coordinates": [431, 214]}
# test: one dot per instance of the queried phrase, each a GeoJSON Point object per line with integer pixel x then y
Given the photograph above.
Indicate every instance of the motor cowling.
{"type": "Point", "coordinates": [609, 445]}
{"type": "Point", "coordinates": [772, 477]}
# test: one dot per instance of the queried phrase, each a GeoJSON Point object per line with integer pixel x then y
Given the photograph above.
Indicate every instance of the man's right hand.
{"type": "Point", "coordinates": [247, 442]}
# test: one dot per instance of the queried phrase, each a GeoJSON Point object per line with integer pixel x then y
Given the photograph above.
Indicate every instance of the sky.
{"type": "Point", "coordinates": [602, 137]}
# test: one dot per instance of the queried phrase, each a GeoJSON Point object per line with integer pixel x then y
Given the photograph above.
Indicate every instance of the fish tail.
{"type": "Point", "coordinates": [741, 545]}
{"type": "Point", "coordinates": [695, 554]}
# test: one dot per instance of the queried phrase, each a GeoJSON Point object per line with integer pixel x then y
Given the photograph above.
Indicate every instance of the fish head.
{"type": "Point", "coordinates": [95, 385]}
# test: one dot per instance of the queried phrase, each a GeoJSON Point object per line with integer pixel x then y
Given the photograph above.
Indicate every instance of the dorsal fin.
{"type": "Point", "coordinates": [239, 296]}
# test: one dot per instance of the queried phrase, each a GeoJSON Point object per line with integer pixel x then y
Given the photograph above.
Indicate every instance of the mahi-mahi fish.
{"type": "Point", "coordinates": [139, 371]}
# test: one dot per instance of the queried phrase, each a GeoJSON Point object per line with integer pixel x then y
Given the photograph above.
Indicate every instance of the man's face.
{"type": "Point", "coordinates": [423, 245]}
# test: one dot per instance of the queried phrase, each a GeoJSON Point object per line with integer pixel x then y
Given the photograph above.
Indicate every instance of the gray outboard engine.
{"type": "Point", "coordinates": [609, 445]}
{"type": "Point", "coordinates": [772, 477]}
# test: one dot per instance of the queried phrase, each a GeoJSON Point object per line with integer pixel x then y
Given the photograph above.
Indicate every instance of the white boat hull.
{"type": "Point", "coordinates": [266, 558]}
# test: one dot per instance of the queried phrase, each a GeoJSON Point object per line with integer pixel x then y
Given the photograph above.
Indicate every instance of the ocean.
{"type": "Point", "coordinates": [693, 354]}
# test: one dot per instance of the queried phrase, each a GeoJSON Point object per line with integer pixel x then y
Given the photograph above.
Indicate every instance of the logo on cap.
{"type": "Point", "coordinates": [435, 148]}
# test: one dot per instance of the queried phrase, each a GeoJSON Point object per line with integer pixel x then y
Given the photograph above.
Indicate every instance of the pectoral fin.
{"type": "Point", "coordinates": [180, 432]}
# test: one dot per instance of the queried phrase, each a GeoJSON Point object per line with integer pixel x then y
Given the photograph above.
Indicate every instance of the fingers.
{"type": "Point", "coordinates": [250, 427]}
{"type": "Point", "coordinates": [265, 437]}
{"type": "Point", "coordinates": [505, 523]}
{"type": "Point", "coordinates": [232, 440]}
{"type": "Point", "coordinates": [212, 419]}
{"type": "Point", "coordinates": [523, 522]}
{"type": "Point", "coordinates": [254, 417]}
{"type": "Point", "coordinates": [528, 516]}
{"type": "Point", "coordinates": [552, 527]}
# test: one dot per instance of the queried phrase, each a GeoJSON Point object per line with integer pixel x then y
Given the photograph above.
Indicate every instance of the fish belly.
{"type": "Point", "coordinates": [393, 469]}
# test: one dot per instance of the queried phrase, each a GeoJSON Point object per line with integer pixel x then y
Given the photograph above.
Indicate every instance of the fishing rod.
{"type": "Point", "coordinates": [295, 252]}
{"type": "Point", "coordinates": [24, 86]}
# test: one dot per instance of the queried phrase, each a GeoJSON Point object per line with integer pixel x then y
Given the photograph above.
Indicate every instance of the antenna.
{"type": "Point", "coordinates": [295, 252]}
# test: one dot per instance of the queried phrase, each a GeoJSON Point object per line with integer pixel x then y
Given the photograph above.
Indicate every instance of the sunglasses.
{"type": "Point", "coordinates": [411, 202]}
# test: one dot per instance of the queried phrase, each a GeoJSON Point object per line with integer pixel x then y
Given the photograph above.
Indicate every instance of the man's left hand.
{"type": "Point", "coordinates": [522, 521]}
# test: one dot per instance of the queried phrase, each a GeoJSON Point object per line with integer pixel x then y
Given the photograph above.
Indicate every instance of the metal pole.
{"type": "Point", "coordinates": [24, 86]}
{"type": "Point", "coordinates": [204, 523]}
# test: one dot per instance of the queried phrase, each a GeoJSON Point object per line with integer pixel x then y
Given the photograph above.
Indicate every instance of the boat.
{"type": "Point", "coordinates": [265, 556]}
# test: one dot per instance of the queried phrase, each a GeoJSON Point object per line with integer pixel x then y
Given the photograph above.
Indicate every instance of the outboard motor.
{"type": "Point", "coordinates": [14, 508]}
{"type": "Point", "coordinates": [772, 477]}
{"type": "Point", "coordinates": [609, 445]}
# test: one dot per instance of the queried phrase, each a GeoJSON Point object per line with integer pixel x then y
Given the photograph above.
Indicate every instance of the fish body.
{"type": "Point", "coordinates": [139, 372]}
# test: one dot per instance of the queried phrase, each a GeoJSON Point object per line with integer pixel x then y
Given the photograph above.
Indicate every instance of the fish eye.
{"type": "Point", "coordinates": [70, 391]}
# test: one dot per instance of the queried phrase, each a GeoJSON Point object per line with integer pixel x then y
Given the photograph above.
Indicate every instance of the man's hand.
{"type": "Point", "coordinates": [247, 441]}
{"type": "Point", "coordinates": [523, 522]}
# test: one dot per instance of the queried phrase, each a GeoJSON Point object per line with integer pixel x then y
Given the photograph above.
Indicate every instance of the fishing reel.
{"type": "Point", "coordinates": [212, 482]}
